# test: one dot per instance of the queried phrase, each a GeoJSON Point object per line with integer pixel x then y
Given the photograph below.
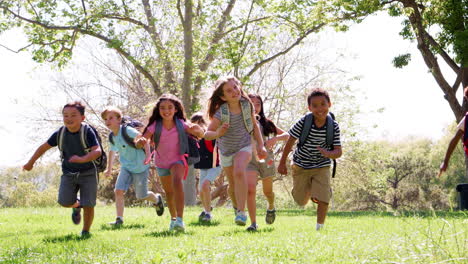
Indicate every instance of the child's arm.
{"type": "Point", "coordinates": [147, 152]}
{"type": "Point", "coordinates": [141, 141]}
{"type": "Point", "coordinates": [215, 129]}
{"type": "Point", "coordinates": [332, 154]}
{"type": "Point", "coordinates": [37, 154]}
{"type": "Point", "coordinates": [261, 151]}
{"type": "Point", "coordinates": [92, 155]}
{"type": "Point", "coordinates": [195, 130]}
{"type": "Point", "coordinates": [280, 136]}
{"type": "Point", "coordinates": [282, 169]}
{"type": "Point", "coordinates": [110, 163]}
{"type": "Point", "coordinates": [452, 145]}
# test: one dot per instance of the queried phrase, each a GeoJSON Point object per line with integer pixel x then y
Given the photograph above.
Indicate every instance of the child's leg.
{"type": "Point", "coordinates": [205, 195]}
{"type": "Point", "coordinates": [322, 209]}
{"type": "Point", "coordinates": [167, 184]}
{"type": "Point", "coordinates": [177, 172]}
{"type": "Point", "coordinates": [88, 218]}
{"type": "Point", "coordinates": [241, 159]}
{"type": "Point", "coordinates": [140, 183]}
{"type": "Point", "coordinates": [267, 185]}
{"type": "Point", "coordinates": [119, 202]}
{"type": "Point", "coordinates": [231, 185]}
{"type": "Point", "coordinates": [251, 195]}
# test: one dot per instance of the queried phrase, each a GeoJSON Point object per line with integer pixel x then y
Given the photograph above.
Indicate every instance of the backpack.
{"type": "Point", "coordinates": [101, 162]}
{"type": "Point", "coordinates": [208, 157]}
{"type": "Point", "coordinates": [127, 121]}
{"type": "Point", "coordinates": [330, 133]}
{"type": "Point", "coordinates": [188, 144]}
{"type": "Point", "coordinates": [247, 110]}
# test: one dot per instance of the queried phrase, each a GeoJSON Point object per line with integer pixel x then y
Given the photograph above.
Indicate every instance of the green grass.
{"type": "Point", "coordinates": [46, 235]}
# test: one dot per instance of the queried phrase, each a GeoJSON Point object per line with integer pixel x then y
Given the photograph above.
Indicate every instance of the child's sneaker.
{"type": "Point", "coordinates": [85, 234]}
{"type": "Point", "coordinates": [207, 218]}
{"type": "Point", "coordinates": [253, 227]}
{"type": "Point", "coordinates": [118, 222]}
{"type": "Point", "coordinates": [319, 226]}
{"type": "Point", "coordinates": [159, 206]}
{"type": "Point", "coordinates": [270, 216]}
{"type": "Point", "coordinates": [241, 218]}
{"type": "Point", "coordinates": [201, 216]}
{"type": "Point", "coordinates": [171, 225]}
{"type": "Point", "coordinates": [179, 225]}
{"type": "Point", "coordinates": [76, 215]}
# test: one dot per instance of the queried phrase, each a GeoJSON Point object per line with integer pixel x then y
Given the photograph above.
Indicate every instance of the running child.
{"type": "Point", "coordinates": [133, 169]}
{"type": "Point", "coordinates": [165, 128]}
{"type": "Point", "coordinates": [232, 121]}
{"type": "Point", "coordinates": [311, 160]}
{"type": "Point", "coordinates": [209, 168]}
{"type": "Point", "coordinates": [79, 171]}
{"type": "Point", "coordinates": [264, 170]}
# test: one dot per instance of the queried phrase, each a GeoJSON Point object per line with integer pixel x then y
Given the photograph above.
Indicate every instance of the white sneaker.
{"type": "Point", "coordinates": [319, 226]}
{"type": "Point", "coordinates": [179, 225]}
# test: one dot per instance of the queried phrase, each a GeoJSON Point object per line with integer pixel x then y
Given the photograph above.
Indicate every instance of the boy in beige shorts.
{"type": "Point", "coordinates": [311, 159]}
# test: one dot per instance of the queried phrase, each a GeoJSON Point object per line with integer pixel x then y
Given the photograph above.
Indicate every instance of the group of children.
{"type": "Point", "coordinates": [238, 139]}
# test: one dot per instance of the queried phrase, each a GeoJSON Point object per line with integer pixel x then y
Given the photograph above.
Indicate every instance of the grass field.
{"type": "Point", "coordinates": [46, 235]}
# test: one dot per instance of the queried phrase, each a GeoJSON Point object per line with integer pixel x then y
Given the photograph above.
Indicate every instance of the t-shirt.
{"type": "Point", "coordinates": [168, 150]}
{"type": "Point", "coordinates": [308, 156]}
{"type": "Point", "coordinates": [461, 125]}
{"type": "Point", "coordinates": [71, 145]}
{"type": "Point", "coordinates": [130, 158]}
{"type": "Point", "coordinates": [236, 137]}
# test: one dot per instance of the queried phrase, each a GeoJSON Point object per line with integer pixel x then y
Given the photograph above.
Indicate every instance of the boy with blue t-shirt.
{"type": "Point", "coordinates": [79, 171]}
{"type": "Point", "coordinates": [134, 167]}
{"type": "Point", "coordinates": [311, 160]}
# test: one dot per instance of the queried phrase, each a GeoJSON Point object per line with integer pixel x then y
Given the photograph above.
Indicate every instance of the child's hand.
{"type": "Point", "coordinates": [443, 168]}
{"type": "Point", "coordinates": [140, 142]}
{"type": "Point", "coordinates": [28, 166]}
{"type": "Point", "coordinates": [108, 173]}
{"type": "Point", "coordinates": [261, 152]}
{"type": "Point", "coordinates": [324, 152]}
{"type": "Point", "coordinates": [270, 143]}
{"type": "Point", "coordinates": [222, 129]}
{"type": "Point", "coordinates": [282, 169]}
{"type": "Point", "coordinates": [147, 160]}
{"type": "Point", "coordinates": [76, 159]}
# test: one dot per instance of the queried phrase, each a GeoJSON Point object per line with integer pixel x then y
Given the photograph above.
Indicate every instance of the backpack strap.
{"type": "Point", "coordinates": [330, 131]}
{"type": "Point", "coordinates": [111, 138]}
{"type": "Point", "coordinates": [126, 137]}
{"type": "Point", "coordinates": [225, 113]}
{"type": "Point", "coordinates": [83, 137]}
{"type": "Point", "coordinates": [60, 135]}
{"type": "Point", "coordinates": [246, 108]}
{"type": "Point", "coordinates": [183, 140]}
{"type": "Point", "coordinates": [157, 134]}
{"type": "Point", "coordinates": [305, 129]}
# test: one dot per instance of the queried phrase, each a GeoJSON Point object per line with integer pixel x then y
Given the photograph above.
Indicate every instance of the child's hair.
{"type": "Point", "coordinates": [198, 119]}
{"type": "Point", "coordinates": [155, 115]}
{"type": "Point", "coordinates": [318, 92]}
{"type": "Point", "coordinates": [268, 125]}
{"type": "Point", "coordinates": [76, 104]}
{"type": "Point", "coordinates": [111, 109]}
{"type": "Point", "coordinates": [215, 100]}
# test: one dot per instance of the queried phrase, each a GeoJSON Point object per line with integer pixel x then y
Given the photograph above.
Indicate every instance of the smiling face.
{"type": "Point", "coordinates": [112, 121]}
{"type": "Point", "coordinates": [319, 106]}
{"type": "Point", "coordinates": [231, 92]}
{"type": "Point", "coordinates": [257, 104]}
{"type": "Point", "coordinates": [167, 110]}
{"type": "Point", "coordinates": [72, 118]}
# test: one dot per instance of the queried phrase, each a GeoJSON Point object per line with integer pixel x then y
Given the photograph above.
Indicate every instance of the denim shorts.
{"type": "Point", "coordinates": [139, 181]}
{"type": "Point", "coordinates": [227, 161]}
{"type": "Point", "coordinates": [86, 182]}
{"type": "Point", "coordinates": [166, 172]}
{"type": "Point", "coordinates": [208, 175]}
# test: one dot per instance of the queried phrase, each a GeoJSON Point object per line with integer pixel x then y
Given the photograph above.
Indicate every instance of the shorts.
{"type": "Point", "coordinates": [166, 172]}
{"type": "Point", "coordinates": [261, 169]}
{"type": "Point", "coordinates": [311, 183]}
{"type": "Point", "coordinates": [86, 182]}
{"type": "Point", "coordinates": [208, 175]}
{"type": "Point", "coordinates": [226, 161]}
{"type": "Point", "coordinates": [139, 181]}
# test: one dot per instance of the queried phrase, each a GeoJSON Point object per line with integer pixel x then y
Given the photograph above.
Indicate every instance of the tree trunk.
{"type": "Point", "coordinates": [188, 57]}
{"type": "Point", "coordinates": [190, 188]}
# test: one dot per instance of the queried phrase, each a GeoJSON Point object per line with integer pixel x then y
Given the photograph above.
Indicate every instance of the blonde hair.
{"type": "Point", "coordinates": [111, 109]}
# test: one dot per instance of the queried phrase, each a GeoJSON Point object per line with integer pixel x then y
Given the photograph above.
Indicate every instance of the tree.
{"type": "Point", "coordinates": [177, 46]}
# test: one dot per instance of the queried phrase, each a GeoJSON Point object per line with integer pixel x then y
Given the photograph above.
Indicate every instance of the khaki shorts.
{"type": "Point", "coordinates": [311, 184]}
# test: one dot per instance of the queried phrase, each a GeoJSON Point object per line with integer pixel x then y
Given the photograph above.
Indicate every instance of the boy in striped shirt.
{"type": "Point", "coordinates": [311, 159]}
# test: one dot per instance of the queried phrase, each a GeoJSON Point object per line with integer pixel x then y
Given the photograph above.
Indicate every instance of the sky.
{"type": "Point", "coordinates": [413, 103]}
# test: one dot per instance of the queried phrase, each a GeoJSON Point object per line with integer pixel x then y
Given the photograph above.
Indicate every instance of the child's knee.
{"type": "Point", "coordinates": [118, 192]}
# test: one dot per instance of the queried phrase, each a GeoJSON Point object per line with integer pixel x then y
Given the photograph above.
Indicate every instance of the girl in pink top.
{"type": "Point", "coordinates": [169, 162]}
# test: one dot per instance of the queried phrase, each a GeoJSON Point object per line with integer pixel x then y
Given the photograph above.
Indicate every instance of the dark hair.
{"type": "Point", "coordinates": [198, 119]}
{"type": "Point", "coordinates": [76, 104]}
{"type": "Point", "coordinates": [155, 115]}
{"type": "Point", "coordinates": [318, 92]}
{"type": "Point", "coordinates": [215, 100]}
{"type": "Point", "coordinates": [267, 125]}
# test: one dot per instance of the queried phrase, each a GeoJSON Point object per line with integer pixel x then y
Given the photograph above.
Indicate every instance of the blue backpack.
{"type": "Point", "coordinates": [330, 133]}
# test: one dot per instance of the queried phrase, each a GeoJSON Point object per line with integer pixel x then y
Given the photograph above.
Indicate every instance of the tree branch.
{"type": "Point", "coordinates": [179, 12]}
{"type": "Point", "coordinates": [442, 53]}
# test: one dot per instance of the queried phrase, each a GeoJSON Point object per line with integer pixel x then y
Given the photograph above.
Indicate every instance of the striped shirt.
{"type": "Point", "coordinates": [309, 157]}
{"type": "Point", "coordinates": [236, 136]}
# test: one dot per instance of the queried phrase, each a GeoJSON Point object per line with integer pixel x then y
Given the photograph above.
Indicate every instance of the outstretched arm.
{"type": "Point", "coordinates": [195, 130]}
{"type": "Point", "coordinates": [37, 154]}
{"type": "Point", "coordinates": [215, 129]}
{"type": "Point", "coordinates": [452, 145]}
{"type": "Point", "coordinates": [281, 135]}
{"type": "Point", "coordinates": [282, 169]}
{"type": "Point", "coordinates": [261, 151]}
{"type": "Point", "coordinates": [92, 155]}
{"type": "Point", "coordinates": [110, 163]}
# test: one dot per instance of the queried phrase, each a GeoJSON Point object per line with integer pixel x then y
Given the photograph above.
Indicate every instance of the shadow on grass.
{"type": "Point", "coordinates": [422, 214]}
{"type": "Point", "coordinates": [244, 231]}
{"type": "Point", "coordinates": [121, 227]}
{"type": "Point", "coordinates": [211, 223]}
{"type": "Point", "coordinates": [65, 238]}
{"type": "Point", "coordinates": [168, 233]}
